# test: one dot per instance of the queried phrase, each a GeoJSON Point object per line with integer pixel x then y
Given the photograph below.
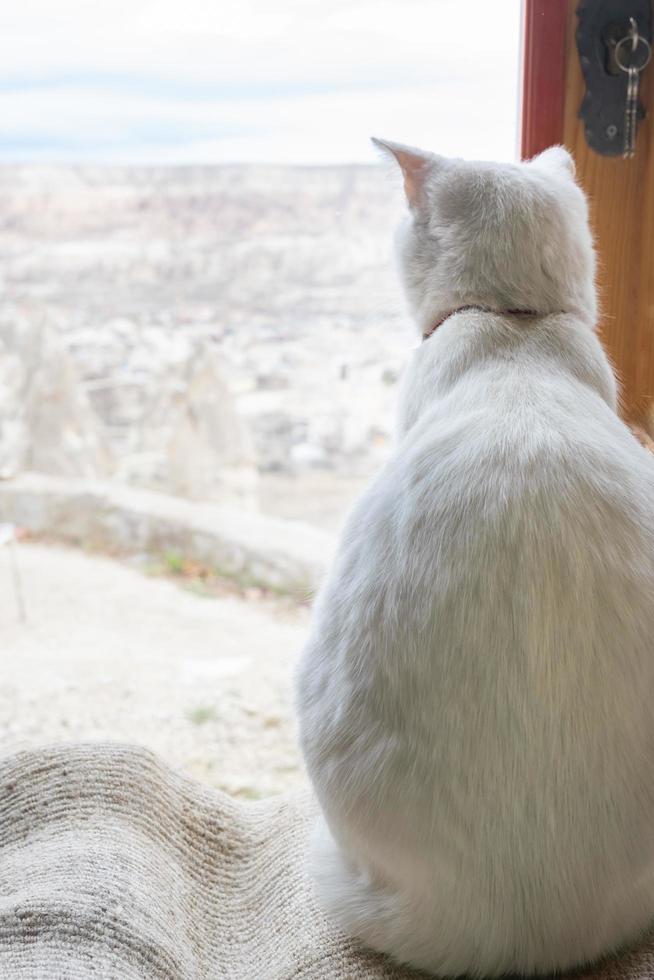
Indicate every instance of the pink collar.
{"type": "Point", "coordinates": [482, 309]}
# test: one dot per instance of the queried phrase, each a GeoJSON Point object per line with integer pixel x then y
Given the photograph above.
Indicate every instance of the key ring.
{"type": "Point", "coordinates": [635, 39]}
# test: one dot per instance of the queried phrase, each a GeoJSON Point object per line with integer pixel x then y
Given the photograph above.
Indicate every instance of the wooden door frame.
{"type": "Point", "coordinates": [620, 194]}
{"type": "Point", "coordinates": [542, 83]}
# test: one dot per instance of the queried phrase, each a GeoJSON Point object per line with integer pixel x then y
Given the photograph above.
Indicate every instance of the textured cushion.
{"type": "Point", "coordinates": [114, 866]}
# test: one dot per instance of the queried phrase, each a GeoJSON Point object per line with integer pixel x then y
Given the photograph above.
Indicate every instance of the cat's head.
{"type": "Point", "coordinates": [506, 236]}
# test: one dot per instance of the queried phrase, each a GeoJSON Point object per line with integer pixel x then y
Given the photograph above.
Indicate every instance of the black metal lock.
{"type": "Point", "coordinates": [605, 53]}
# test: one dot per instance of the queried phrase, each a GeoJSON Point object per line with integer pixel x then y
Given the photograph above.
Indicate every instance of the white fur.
{"type": "Point", "coordinates": [476, 698]}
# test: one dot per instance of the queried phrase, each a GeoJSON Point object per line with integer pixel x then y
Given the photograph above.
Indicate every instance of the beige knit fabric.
{"type": "Point", "coordinates": [114, 867]}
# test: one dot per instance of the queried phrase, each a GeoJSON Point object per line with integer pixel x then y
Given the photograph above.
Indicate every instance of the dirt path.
{"type": "Point", "coordinates": [108, 653]}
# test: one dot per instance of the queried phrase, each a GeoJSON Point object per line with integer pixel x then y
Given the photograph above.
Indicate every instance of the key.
{"type": "Point", "coordinates": [631, 110]}
{"type": "Point", "coordinates": [632, 55]}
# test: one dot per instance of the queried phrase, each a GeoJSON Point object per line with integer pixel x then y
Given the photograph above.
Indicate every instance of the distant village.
{"type": "Point", "coordinates": [224, 334]}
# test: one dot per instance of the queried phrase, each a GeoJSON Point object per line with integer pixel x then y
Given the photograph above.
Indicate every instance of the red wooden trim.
{"type": "Point", "coordinates": [543, 74]}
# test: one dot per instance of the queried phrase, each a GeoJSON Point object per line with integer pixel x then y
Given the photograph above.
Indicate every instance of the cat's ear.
{"type": "Point", "coordinates": [416, 165]}
{"type": "Point", "coordinates": [556, 158]}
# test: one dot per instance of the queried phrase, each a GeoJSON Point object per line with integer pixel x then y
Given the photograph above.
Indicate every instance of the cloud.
{"type": "Point", "coordinates": [297, 80]}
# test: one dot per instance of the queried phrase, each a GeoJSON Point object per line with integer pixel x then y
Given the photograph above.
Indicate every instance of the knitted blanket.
{"type": "Point", "coordinates": [114, 867]}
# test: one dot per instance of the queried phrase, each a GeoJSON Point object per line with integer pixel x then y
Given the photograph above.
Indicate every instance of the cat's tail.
{"type": "Point", "coordinates": [363, 907]}
{"type": "Point", "coordinates": [433, 933]}
{"type": "Point", "coordinates": [449, 933]}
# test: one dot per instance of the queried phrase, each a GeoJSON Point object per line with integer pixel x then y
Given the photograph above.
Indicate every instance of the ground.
{"type": "Point", "coordinates": [108, 652]}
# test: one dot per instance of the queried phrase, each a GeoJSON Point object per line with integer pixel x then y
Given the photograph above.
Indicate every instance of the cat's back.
{"type": "Point", "coordinates": [524, 476]}
{"type": "Point", "coordinates": [504, 559]}
{"type": "Point", "coordinates": [518, 490]}
{"type": "Point", "coordinates": [481, 664]}
{"type": "Point", "coordinates": [527, 427]}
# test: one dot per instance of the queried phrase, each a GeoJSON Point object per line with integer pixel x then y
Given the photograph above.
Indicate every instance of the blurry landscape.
{"type": "Point", "coordinates": [198, 372]}
{"type": "Point", "coordinates": [199, 360]}
{"type": "Point", "coordinates": [227, 334]}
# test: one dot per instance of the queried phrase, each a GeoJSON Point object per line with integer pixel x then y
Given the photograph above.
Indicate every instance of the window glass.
{"type": "Point", "coordinates": [201, 339]}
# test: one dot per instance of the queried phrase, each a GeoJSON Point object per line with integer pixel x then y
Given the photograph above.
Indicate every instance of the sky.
{"type": "Point", "coordinates": [270, 81]}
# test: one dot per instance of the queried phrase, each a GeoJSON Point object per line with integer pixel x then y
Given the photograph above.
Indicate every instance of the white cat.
{"type": "Point", "coordinates": [476, 698]}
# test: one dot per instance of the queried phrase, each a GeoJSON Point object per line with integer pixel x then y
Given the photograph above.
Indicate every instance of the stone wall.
{"type": "Point", "coordinates": [277, 554]}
